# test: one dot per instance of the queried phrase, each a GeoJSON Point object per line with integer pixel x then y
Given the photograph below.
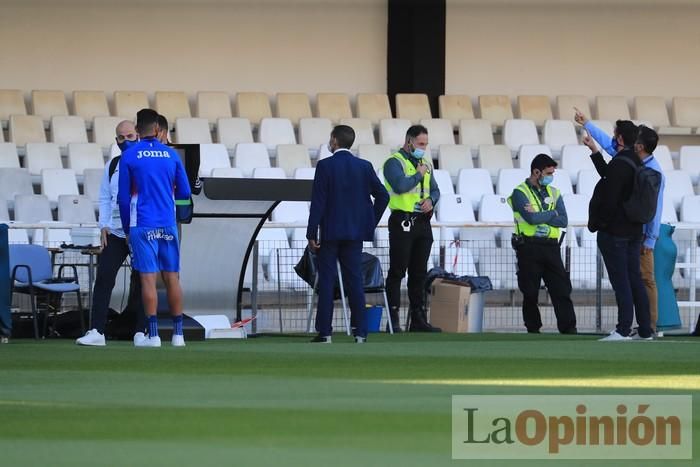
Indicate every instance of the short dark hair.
{"type": "Point", "coordinates": [415, 131]}
{"type": "Point", "coordinates": [628, 130]}
{"type": "Point", "coordinates": [162, 122]}
{"type": "Point", "coordinates": [146, 120]}
{"type": "Point", "coordinates": [541, 162]}
{"type": "Point", "coordinates": [344, 135]}
{"type": "Point", "coordinates": [647, 138]}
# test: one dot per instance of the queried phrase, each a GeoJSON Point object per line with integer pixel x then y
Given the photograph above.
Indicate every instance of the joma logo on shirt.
{"type": "Point", "coordinates": [159, 234]}
{"type": "Point", "coordinates": [141, 154]}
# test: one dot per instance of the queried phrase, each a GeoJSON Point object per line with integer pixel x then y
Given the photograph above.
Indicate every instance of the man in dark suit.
{"type": "Point", "coordinates": [343, 211]}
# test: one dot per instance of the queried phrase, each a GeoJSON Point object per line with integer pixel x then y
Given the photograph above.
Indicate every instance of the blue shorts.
{"type": "Point", "coordinates": [155, 249]}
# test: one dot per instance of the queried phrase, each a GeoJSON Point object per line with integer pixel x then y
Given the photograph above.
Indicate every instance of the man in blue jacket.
{"type": "Point", "coordinates": [343, 211]}
{"type": "Point", "coordinates": [152, 180]}
{"type": "Point", "coordinates": [645, 146]}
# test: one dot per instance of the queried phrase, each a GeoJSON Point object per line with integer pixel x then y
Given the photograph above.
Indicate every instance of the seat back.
{"type": "Point", "coordinates": [212, 156]}
{"type": "Point", "coordinates": [413, 107]}
{"type": "Point", "coordinates": [172, 105]}
{"type": "Point", "coordinates": [83, 156]}
{"type": "Point", "coordinates": [566, 105]}
{"type": "Point", "coordinates": [104, 130]}
{"type": "Point", "coordinates": [68, 129]}
{"type": "Point", "coordinates": [231, 131]}
{"type": "Point", "coordinates": [90, 104]}
{"type": "Point", "coordinates": [293, 106]}
{"type": "Point", "coordinates": [535, 108]}
{"type": "Point", "coordinates": [612, 108]}
{"type": "Point", "coordinates": [392, 131]}
{"type": "Point", "coordinates": [376, 154]}
{"type": "Point", "coordinates": [192, 130]}
{"type": "Point", "coordinates": [495, 109]}
{"type": "Point", "coordinates": [364, 134]}
{"type": "Point", "coordinates": [651, 109]}
{"type": "Point", "coordinates": [47, 104]}
{"type": "Point", "coordinates": [333, 106]}
{"type": "Point", "coordinates": [8, 156]}
{"type": "Point", "coordinates": [313, 132]}
{"type": "Point", "coordinates": [473, 133]}
{"type": "Point", "coordinates": [26, 129]}
{"type": "Point", "coordinates": [36, 257]}
{"type": "Point", "coordinates": [373, 107]}
{"type": "Point", "coordinates": [254, 106]}
{"type": "Point", "coordinates": [11, 103]}
{"type": "Point", "coordinates": [455, 108]}
{"type": "Point", "coordinates": [291, 157]}
{"type": "Point", "coordinates": [128, 103]}
{"type": "Point", "coordinates": [75, 209]}
{"type": "Point", "coordinates": [213, 105]}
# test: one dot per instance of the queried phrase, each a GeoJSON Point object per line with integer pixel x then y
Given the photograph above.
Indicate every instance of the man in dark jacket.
{"type": "Point", "coordinates": [343, 210]}
{"type": "Point", "coordinates": [619, 239]}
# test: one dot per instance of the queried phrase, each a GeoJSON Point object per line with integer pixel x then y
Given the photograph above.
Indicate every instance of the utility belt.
{"type": "Point", "coordinates": [519, 240]}
{"type": "Point", "coordinates": [409, 219]}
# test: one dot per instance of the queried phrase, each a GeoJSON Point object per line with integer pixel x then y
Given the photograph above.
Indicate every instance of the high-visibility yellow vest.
{"type": "Point", "coordinates": [406, 202]}
{"type": "Point", "coordinates": [540, 230]}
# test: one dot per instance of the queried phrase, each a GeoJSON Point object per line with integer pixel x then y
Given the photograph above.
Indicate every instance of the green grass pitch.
{"type": "Point", "coordinates": [281, 401]}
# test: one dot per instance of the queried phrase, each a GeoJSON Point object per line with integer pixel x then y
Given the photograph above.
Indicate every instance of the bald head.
{"type": "Point", "coordinates": [126, 131]}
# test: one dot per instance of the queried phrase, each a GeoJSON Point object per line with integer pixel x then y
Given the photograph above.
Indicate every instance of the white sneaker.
{"type": "Point", "coordinates": [148, 342]}
{"type": "Point", "coordinates": [637, 337]}
{"type": "Point", "coordinates": [360, 340]}
{"type": "Point", "coordinates": [93, 338]}
{"type": "Point", "coordinates": [615, 337]}
{"type": "Point", "coordinates": [139, 337]}
{"type": "Point", "coordinates": [178, 340]}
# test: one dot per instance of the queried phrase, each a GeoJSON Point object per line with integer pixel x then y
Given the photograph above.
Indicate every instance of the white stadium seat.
{"type": "Point", "coordinates": [192, 130]}
{"type": "Point", "coordinates": [392, 132]}
{"type": "Point", "coordinates": [519, 132]}
{"type": "Point", "coordinates": [212, 156]}
{"type": "Point", "coordinates": [274, 131]}
{"type": "Point", "coordinates": [249, 156]}
{"type": "Point", "coordinates": [474, 183]}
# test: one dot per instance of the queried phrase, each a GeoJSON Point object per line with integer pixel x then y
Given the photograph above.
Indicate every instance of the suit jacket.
{"type": "Point", "coordinates": [341, 203]}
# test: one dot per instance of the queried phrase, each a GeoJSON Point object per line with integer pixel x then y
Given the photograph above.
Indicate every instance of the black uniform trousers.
{"type": "Point", "coordinates": [110, 260]}
{"type": "Point", "coordinates": [540, 259]}
{"type": "Point", "coordinates": [408, 251]}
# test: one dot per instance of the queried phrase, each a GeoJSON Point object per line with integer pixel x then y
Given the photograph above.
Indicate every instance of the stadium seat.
{"type": "Point", "coordinates": [333, 106]}
{"type": "Point", "coordinates": [373, 107]}
{"type": "Point", "coordinates": [305, 173]}
{"type": "Point", "coordinates": [454, 208]}
{"type": "Point", "coordinates": [323, 152]}
{"type": "Point", "coordinates": [535, 108]}
{"type": "Point", "coordinates": [492, 209]}
{"type": "Point", "coordinates": [690, 209]}
{"type": "Point", "coordinates": [474, 133]}
{"type": "Point", "coordinates": [213, 105]}
{"type": "Point", "coordinates": [8, 156]}
{"type": "Point", "coordinates": [172, 105]}
{"type": "Point", "coordinates": [519, 132]}
{"type": "Point", "coordinates": [42, 156]}
{"type": "Point", "coordinates": [227, 172]}
{"type": "Point", "coordinates": [494, 157]}
{"type": "Point", "coordinates": [577, 211]}
{"type": "Point", "coordinates": [444, 182]}
{"type": "Point", "coordinates": [291, 157]}
{"type": "Point", "coordinates": [68, 129]}
{"type": "Point", "coordinates": [26, 129]}
{"type": "Point", "coordinates": [192, 130]}
{"type": "Point", "coordinates": [231, 131]}
{"type": "Point", "coordinates": [274, 131]}
{"type": "Point", "coordinates": [587, 180]}
{"type": "Point", "coordinates": [508, 179]}
{"type": "Point", "coordinates": [562, 181]}
{"type": "Point", "coordinates": [668, 212]}
{"type": "Point", "coordinates": [47, 104]}
{"type": "Point", "coordinates": [663, 155]}
{"type": "Point", "coordinates": [456, 108]}
{"type": "Point", "coordinates": [474, 183]}
{"type": "Point", "coordinates": [690, 162]}
{"type": "Point", "coordinates": [413, 107]}
{"type": "Point", "coordinates": [11, 103]}
{"type": "Point", "coordinates": [90, 104]}
{"type": "Point", "coordinates": [678, 185]}
{"type": "Point", "coordinates": [606, 126]}
{"type": "Point", "coordinates": [83, 156]}
{"type": "Point", "coordinates": [291, 212]}
{"type": "Point", "coordinates": [313, 132]}
{"type": "Point", "coordinates": [212, 156]}
{"type": "Point", "coordinates": [254, 106]}
{"type": "Point", "coordinates": [128, 103]}
{"type": "Point", "coordinates": [92, 179]}
{"type": "Point", "coordinates": [685, 112]}
{"type": "Point", "coordinates": [392, 132]}
{"type": "Point", "coordinates": [293, 106]}
{"type": "Point", "coordinates": [75, 209]}
{"type": "Point", "coordinates": [567, 103]}
{"type": "Point", "coordinates": [439, 132]}
{"type": "Point", "coordinates": [364, 134]}
{"type": "Point", "coordinates": [557, 134]}
{"type": "Point", "coordinates": [453, 158]}
{"type": "Point", "coordinates": [269, 172]}
{"type": "Point", "coordinates": [55, 182]}
{"type": "Point", "coordinates": [653, 110]}
{"type": "Point", "coordinates": [248, 156]}
{"type": "Point", "coordinates": [104, 130]}
{"type": "Point", "coordinates": [376, 154]}
{"type": "Point", "coordinates": [495, 109]}
{"type": "Point", "coordinates": [13, 182]}
{"type": "Point", "coordinates": [612, 108]}
{"type": "Point", "coordinates": [574, 158]}
{"type": "Point", "coordinates": [32, 209]}
{"type": "Point", "coordinates": [528, 152]}
{"type": "Point", "coordinates": [114, 151]}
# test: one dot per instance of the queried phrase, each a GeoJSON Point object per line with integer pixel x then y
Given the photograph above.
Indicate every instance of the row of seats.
{"type": "Point", "coordinates": [684, 117]}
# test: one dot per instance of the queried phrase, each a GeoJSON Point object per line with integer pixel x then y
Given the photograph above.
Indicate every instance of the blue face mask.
{"type": "Point", "coordinates": [546, 180]}
{"type": "Point", "coordinates": [418, 152]}
{"type": "Point", "coordinates": [126, 144]}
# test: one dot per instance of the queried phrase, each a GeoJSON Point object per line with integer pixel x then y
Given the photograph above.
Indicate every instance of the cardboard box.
{"type": "Point", "coordinates": [449, 303]}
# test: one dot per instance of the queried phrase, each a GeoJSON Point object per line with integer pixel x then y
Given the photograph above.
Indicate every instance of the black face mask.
{"type": "Point", "coordinates": [126, 144]}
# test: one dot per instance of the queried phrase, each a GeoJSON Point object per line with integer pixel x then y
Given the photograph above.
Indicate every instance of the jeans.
{"type": "Point", "coordinates": [622, 260]}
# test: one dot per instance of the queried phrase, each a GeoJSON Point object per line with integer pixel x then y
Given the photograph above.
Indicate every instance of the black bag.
{"type": "Point", "coordinates": [596, 206]}
{"type": "Point", "coordinates": [641, 206]}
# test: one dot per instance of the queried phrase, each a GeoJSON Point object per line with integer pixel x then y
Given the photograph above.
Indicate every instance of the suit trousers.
{"type": "Point", "coordinates": [349, 253]}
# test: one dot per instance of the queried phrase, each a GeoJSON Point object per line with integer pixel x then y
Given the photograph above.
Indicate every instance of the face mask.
{"type": "Point", "coordinates": [418, 152]}
{"type": "Point", "coordinates": [126, 144]}
{"type": "Point", "coordinates": [546, 180]}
